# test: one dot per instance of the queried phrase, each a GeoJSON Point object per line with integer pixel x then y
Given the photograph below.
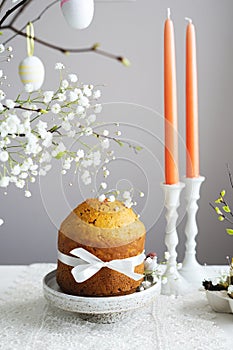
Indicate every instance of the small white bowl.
{"type": "Point", "coordinates": [98, 309]}
{"type": "Point", "coordinates": [219, 301]}
{"type": "Point", "coordinates": [231, 304]}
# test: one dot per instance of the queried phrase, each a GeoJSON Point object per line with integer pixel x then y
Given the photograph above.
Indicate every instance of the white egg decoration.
{"type": "Point", "coordinates": [31, 71]}
{"type": "Point", "coordinates": [78, 13]}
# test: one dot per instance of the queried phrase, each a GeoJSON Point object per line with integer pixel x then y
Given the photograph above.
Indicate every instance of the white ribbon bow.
{"type": "Point", "coordinates": [86, 264]}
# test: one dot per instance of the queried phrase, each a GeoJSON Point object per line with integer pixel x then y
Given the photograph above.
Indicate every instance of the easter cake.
{"type": "Point", "coordinates": [100, 250]}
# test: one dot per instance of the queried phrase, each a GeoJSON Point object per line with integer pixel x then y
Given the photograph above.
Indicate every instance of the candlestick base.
{"type": "Point", "coordinates": [191, 270]}
{"type": "Point", "coordinates": [176, 284]}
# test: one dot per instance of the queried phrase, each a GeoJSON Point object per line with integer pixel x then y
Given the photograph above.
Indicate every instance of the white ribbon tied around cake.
{"type": "Point", "coordinates": [86, 264]}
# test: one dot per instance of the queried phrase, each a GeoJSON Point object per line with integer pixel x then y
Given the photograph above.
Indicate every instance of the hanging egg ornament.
{"type": "Point", "coordinates": [31, 71]}
{"type": "Point", "coordinates": [78, 13]}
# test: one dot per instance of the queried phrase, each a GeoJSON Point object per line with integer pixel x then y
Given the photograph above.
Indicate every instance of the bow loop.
{"type": "Point", "coordinates": [87, 265]}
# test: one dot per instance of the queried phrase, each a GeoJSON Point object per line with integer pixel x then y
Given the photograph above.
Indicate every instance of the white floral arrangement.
{"type": "Point", "coordinates": [40, 126]}
{"type": "Point", "coordinates": [154, 270]}
{"type": "Point", "coordinates": [36, 126]}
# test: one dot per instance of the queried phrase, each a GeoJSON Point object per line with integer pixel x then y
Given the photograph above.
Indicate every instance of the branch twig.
{"type": "Point", "coordinates": [2, 4]}
{"type": "Point", "coordinates": [10, 11]}
{"type": "Point", "coordinates": [21, 10]}
{"type": "Point", "coordinates": [32, 21]}
{"type": "Point", "coordinates": [230, 175]}
{"type": "Point", "coordinates": [93, 48]}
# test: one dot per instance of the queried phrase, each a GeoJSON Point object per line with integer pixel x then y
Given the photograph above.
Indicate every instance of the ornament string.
{"type": "Point", "coordinates": [30, 39]}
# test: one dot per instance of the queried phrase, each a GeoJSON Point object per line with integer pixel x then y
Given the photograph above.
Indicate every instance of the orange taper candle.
{"type": "Point", "coordinates": [170, 105]}
{"type": "Point", "coordinates": [192, 143]}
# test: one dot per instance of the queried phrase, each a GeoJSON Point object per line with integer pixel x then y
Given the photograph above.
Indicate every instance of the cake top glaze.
{"type": "Point", "coordinates": [105, 214]}
{"type": "Point", "coordinates": [102, 224]}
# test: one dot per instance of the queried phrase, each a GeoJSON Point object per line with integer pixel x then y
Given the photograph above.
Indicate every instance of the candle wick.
{"type": "Point", "coordinates": [168, 13]}
{"type": "Point", "coordinates": [189, 20]}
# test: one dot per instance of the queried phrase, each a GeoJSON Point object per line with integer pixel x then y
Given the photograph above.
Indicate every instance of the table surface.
{"type": "Point", "coordinates": [8, 274]}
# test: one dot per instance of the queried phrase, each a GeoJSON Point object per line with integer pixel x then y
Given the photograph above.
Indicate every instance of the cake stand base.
{"type": "Point", "coordinates": [98, 309]}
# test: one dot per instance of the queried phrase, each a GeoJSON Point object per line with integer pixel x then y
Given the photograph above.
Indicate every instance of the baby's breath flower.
{"type": "Point", "coordinates": [166, 255]}
{"type": "Point", "coordinates": [111, 198]}
{"type": "Point", "coordinates": [146, 284]}
{"type": "Point", "coordinates": [48, 95]}
{"type": "Point", "coordinates": [64, 84]}
{"type": "Point", "coordinates": [84, 101]}
{"type": "Point", "coordinates": [141, 194]}
{"type": "Point", "coordinates": [73, 96]}
{"type": "Point", "coordinates": [2, 95]}
{"type": "Point", "coordinates": [80, 110]}
{"type": "Point", "coordinates": [2, 48]}
{"type": "Point", "coordinates": [91, 119]}
{"type": "Point", "coordinates": [97, 108]}
{"type": "Point", "coordinates": [126, 195]}
{"type": "Point", "coordinates": [66, 125]}
{"type": "Point", "coordinates": [230, 289]}
{"type": "Point", "coordinates": [102, 198]}
{"type": "Point", "coordinates": [59, 66]}
{"type": "Point", "coordinates": [27, 194]}
{"type": "Point", "coordinates": [86, 178]}
{"type": "Point", "coordinates": [1, 221]}
{"type": "Point", "coordinates": [73, 78]}
{"type": "Point", "coordinates": [103, 185]}
{"type": "Point", "coordinates": [88, 131]}
{"type": "Point", "coordinates": [16, 170]}
{"type": "Point", "coordinates": [96, 94]}
{"type": "Point", "coordinates": [128, 203]}
{"type": "Point", "coordinates": [106, 173]}
{"type": "Point", "coordinates": [23, 175]}
{"type": "Point", "coordinates": [56, 108]}
{"type": "Point", "coordinates": [105, 133]}
{"type": "Point", "coordinates": [4, 181]}
{"type": "Point", "coordinates": [87, 91]}
{"type": "Point", "coordinates": [80, 153]}
{"type": "Point", "coordinates": [105, 143]}
{"type": "Point", "coordinates": [179, 266]}
{"type": "Point", "coordinates": [4, 156]}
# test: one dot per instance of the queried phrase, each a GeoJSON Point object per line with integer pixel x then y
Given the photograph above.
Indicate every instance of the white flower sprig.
{"type": "Point", "coordinates": [38, 127]}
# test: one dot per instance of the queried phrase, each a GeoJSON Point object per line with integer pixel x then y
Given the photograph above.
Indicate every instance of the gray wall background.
{"type": "Point", "coordinates": [134, 96]}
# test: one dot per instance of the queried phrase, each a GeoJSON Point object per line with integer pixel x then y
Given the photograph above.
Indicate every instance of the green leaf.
{"type": "Point", "coordinates": [138, 148]}
{"type": "Point", "coordinates": [60, 155]}
{"type": "Point", "coordinates": [223, 192]}
{"type": "Point", "coordinates": [126, 62]}
{"type": "Point", "coordinates": [220, 218]}
{"type": "Point", "coordinates": [43, 111]}
{"type": "Point", "coordinates": [54, 128]}
{"type": "Point", "coordinates": [219, 200]}
{"type": "Point", "coordinates": [120, 143]}
{"type": "Point", "coordinates": [95, 46]}
{"type": "Point", "coordinates": [218, 211]}
{"type": "Point", "coordinates": [229, 231]}
{"type": "Point", "coordinates": [226, 209]}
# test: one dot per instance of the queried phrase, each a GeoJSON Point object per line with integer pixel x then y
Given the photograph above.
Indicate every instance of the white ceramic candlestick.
{"type": "Point", "coordinates": [175, 285]}
{"type": "Point", "coordinates": [191, 270]}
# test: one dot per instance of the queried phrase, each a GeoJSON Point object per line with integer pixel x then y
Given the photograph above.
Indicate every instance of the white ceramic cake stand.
{"type": "Point", "coordinates": [176, 284]}
{"type": "Point", "coordinates": [191, 270]}
{"type": "Point", "coordinates": [98, 309]}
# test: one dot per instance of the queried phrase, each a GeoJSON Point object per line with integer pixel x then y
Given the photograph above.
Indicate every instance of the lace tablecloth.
{"type": "Point", "coordinates": [28, 322]}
